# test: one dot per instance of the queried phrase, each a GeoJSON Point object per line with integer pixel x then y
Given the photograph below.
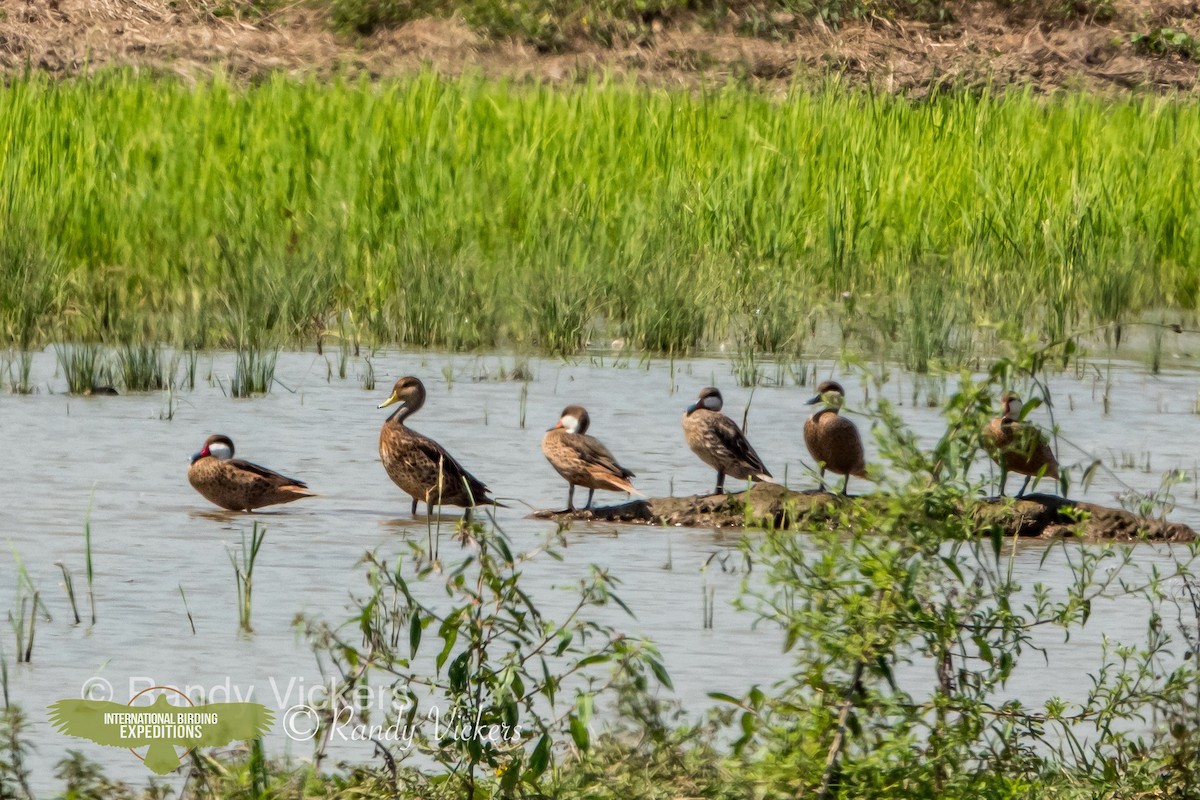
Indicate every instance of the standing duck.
{"type": "Point", "coordinates": [581, 459]}
{"type": "Point", "coordinates": [236, 484]}
{"type": "Point", "coordinates": [832, 439]}
{"type": "Point", "coordinates": [1018, 446]}
{"type": "Point", "coordinates": [719, 442]}
{"type": "Point", "coordinates": [419, 465]}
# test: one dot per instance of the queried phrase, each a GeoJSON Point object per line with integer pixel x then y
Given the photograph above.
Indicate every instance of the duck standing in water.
{"type": "Point", "coordinates": [419, 465]}
{"type": "Point", "coordinates": [719, 442]}
{"type": "Point", "coordinates": [1018, 446]}
{"type": "Point", "coordinates": [832, 439]}
{"type": "Point", "coordinates": [581, 459]}
{"type": "Point", "coordinates": [236, 484]}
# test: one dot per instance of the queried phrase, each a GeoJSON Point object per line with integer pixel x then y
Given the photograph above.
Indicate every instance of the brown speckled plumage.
{"type": "Point", "coordinates": [1018, 446]}
{"type": "Point", "coordinates": [419, 465]}
{"type": "Point", "coordinates": [239, 485]}
{"type": "Point", "coordinates": [719, 442]}
{"type": "Point", "coordinates": [581, 459]}
{"type": "Point", "coordinates": [832, 439]}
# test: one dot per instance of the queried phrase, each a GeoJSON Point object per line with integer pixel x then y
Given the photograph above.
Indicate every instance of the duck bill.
{"type": "Point", "coordinates": [692, 408]}
{"type": "Point", "coordinates": [393, 399]}
{"type": "Point", "coordinates": [812, 401]}
{"type": "Point", "coordinates": [198, 455]}
{"type": "Point", "coordinates": [557, 425]}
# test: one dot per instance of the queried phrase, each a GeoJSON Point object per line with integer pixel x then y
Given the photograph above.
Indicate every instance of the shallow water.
{"type": "Point", "coordinates": [120, 458]}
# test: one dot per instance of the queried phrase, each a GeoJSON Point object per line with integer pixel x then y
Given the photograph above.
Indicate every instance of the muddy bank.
{"type": "Point", "coordinates": [767, 505]}
{"type": "Point", "coordinates": [993, 44]}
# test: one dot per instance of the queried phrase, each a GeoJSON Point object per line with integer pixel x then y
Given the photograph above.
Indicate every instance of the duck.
{"type": "Point", "coordinates": [238, 485]}
{"type": "Point", "coordinates": [832, 439]}
{"type": "Point", "coordinates": [581, 459]}
{"type": "Point", "coordinates": [1018, 446]}
{"type": "Point", "coordinates": [719, 442]}
{"type": "Point", "coordinates": [419, 465]}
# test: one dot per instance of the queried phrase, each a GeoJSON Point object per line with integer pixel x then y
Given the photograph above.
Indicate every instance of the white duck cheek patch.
{"type": "Point", "coordinates": [220, 451]}
{"type": "Point", "coordinates": [712, 403]}
{"type": "Point", "coordinates": [571, 424]}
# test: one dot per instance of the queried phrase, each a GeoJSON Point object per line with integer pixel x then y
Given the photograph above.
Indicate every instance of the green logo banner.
{"type": "Point", "coordinates": [161, 727]}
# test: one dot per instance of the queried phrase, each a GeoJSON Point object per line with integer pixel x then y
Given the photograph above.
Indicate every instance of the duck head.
{"type": "Point", "coordinates": [710, 398]}
{"type": "Point", "coordinates": [1011, 405]}
{"type": "Point", "coordinates": [217, 446]}
{"type": "Point", "coordinates": [409, 392]}
{"type": "Point", "coordinates": [574, 419]}
{"type": "Point", "coordinates": [830, 393]}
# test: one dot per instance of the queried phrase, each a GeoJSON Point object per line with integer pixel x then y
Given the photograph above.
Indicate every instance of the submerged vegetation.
{"type": "Point", "coordinates": [463, 213]}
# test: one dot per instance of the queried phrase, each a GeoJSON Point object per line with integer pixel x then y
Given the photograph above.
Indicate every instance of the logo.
{"type": "Point", "coordinates": [163, 723]}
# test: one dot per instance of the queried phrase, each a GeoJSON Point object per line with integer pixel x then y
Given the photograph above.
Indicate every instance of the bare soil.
{"type": "Point", "coordinates": [985, 44]}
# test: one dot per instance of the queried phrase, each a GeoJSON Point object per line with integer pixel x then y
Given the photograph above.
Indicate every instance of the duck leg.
{"type": "Point", "coordinates": [414, 506]}
{"type": "Point", "coordinates": [846, 486]}
{"type": "Point", "coordinates": [591, 494]}
{"type": "Point", "coordinates": [1003, 476]}
{"type": "Point", "coordinates": [822, 479]}
{"type": "Point", "coordinates": [571, 497]}
{"type": "Point", "coordinates": [1024, 485]}
{"type": "Point", "coordinates": [720, 482]}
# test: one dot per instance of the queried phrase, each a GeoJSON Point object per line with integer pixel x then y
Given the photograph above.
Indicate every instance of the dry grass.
{"type": "Point", "coordinates": [1016, 43]}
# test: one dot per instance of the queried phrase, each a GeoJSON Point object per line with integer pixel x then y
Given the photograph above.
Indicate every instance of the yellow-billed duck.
{"type": "Point", "coordinates": [1018, 446]}
{"type": "Point", "coordinates": [832, 439]}
{"type": "Point", "coordinates": [236, 484]}
{"type": "Point", "coordinates": [581, 459]}
{"type": "Point", "coordinates": [719, 442]}
{"type": "Point", "coordinates": [419, 465]}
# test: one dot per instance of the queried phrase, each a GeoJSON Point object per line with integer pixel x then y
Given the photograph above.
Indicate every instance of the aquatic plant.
{"type": "Point", "coordinates": [554, 216]}
{"type": "Point", "coordinates": [142, 369]}
{"type": "Point", "coordinates": [69, 588]}
{"type": "Point", "coordinates": [84, 366]}
{"type": "Point", "coordinates": [254, 372]}
{"type": "Point", "coordinates": [243, 561]}
{"type": "Point", "coordinates": [18, 367]}
{"type": "Point", "coordinates": [499, 664]}
{"type": "Point", "coordinates": [913, 582]}
{"type": "Point", "coordinates": [187, 610]}
{"type": "Point", "coordinates": [87, 554]}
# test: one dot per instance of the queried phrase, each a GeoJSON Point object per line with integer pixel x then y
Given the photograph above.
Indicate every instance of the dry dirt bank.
{"type": "Point", "coordinates": [986, 42]}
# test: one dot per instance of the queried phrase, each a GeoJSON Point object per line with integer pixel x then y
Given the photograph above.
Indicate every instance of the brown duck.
{"type": "Point", "coordinates": [1018, 446]}
{"type": "Point", "coordinates": [581, 459]}
{"type": "Point", "coordinates": [719, 442]}
{"type": "Point", "coordinates": [419, 465]}
{"type": "Point", "coordinates": [832, 439]}
{"type": "Point", "coordinates": [236, 484]}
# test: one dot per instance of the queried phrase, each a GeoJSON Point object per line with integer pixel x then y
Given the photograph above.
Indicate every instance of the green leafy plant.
{"type": "Point", "coordinates": [1167, 42]}
{"type": "Point", "coordinates": [516, 681]}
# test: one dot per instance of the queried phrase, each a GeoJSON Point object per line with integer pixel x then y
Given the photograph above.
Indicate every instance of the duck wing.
{"type": "Point", "coordinates": [270, 475]}
{"type": "Point", "coordinates": [592, 452]}
{"type": "Point", "coordinates": [453, 473]}
{"type": "Point", "coordinates": [732, 439]}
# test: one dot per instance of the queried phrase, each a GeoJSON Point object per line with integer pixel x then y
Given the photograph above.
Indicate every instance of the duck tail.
{"type": "Point", "coordinates": [629, 488]}
{"type": "Point", "coordinates": [298, 489]}
{"type": "Point", "coordinates": [763, 477]}
{"type": "Point", "coordinates": [614, 482]}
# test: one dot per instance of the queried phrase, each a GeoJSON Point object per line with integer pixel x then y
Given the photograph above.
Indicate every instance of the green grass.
{"type": "Point", "coordinates": [461, 213]}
